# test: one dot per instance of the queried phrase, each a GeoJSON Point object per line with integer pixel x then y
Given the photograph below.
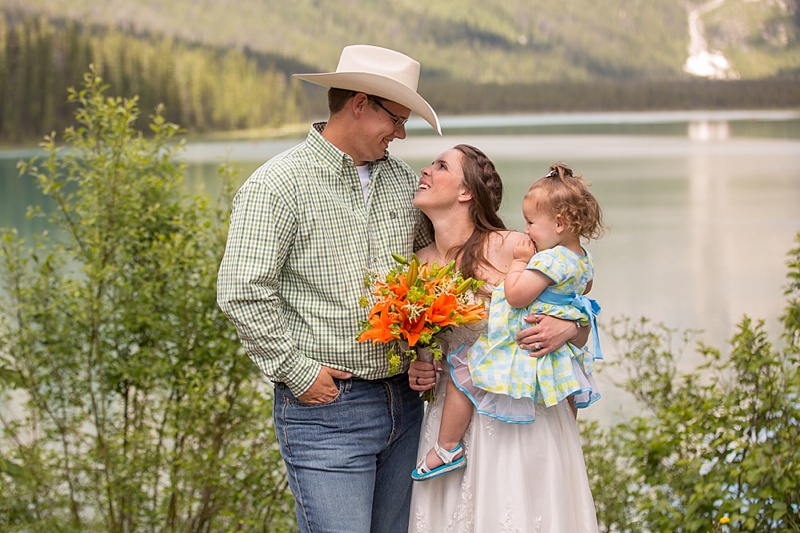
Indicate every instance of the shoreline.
{"type": "Point", "coordinates": [480, 122]}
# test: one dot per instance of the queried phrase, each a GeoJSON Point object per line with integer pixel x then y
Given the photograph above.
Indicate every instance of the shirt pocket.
{"type": "Point", "coordinates": [395, 229]}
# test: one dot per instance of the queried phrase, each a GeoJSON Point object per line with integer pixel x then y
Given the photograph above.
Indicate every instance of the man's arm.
{"type": "Point", "coordinates": [260, 239]}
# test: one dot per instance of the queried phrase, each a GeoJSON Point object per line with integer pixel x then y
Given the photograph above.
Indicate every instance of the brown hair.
{"type": "Point", "coordinates": [482, 180]}
{"type": "Point", "coordinates": [565, 194]}
{"type": "Point", "coordinates": [337, 98]}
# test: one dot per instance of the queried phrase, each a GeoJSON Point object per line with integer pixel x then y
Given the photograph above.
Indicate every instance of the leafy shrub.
{"type": "Point", "coordinates": [136, 408]}
{"type": "Point", "coordinates": [720, 443]}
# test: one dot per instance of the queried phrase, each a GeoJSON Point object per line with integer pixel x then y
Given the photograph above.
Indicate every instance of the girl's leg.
{"type": "Point", "coordinates": [456, 414]}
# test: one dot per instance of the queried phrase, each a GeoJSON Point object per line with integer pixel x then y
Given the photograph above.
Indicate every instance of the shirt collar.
{"type": "Point", "coordinates": [329, 153]}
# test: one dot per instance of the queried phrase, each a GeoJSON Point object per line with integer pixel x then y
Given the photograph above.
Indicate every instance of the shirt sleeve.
{"type": "Point", "coordinates": [550, 263]}
{"type": "Point", "coordinates": [263, 227]}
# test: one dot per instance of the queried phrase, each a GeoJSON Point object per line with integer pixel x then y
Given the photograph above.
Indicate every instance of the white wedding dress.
{"type": "Point", "coordinates": [520, 478]}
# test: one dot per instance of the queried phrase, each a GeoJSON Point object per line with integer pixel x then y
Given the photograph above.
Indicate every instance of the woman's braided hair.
{"type": "Point", "coordinates": [482, 180]}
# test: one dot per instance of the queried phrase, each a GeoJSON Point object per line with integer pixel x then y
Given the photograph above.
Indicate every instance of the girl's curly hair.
{"type": "Point", "coordinates": [562, 193]}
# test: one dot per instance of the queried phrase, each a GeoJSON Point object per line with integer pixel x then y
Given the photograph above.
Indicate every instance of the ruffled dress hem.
{"type": "Point", "coordinates": [507, 408]}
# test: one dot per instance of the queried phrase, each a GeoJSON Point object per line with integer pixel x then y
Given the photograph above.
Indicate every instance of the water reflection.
{"type": "Point", "coordinates": [709, 130]}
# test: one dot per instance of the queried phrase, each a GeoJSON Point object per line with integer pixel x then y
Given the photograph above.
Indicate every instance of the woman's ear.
{"type": "Point", "coordinates": [464, 194]}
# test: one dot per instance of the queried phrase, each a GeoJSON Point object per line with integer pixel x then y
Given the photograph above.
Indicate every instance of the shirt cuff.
{"type": "Point", "coordinates": [300, 373]}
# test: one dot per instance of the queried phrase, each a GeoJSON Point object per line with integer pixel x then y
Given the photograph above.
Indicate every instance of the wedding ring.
{"type": "Point", "coordinates": [536, 346]}
{"type": "Point", "coordinates": [416, 380]}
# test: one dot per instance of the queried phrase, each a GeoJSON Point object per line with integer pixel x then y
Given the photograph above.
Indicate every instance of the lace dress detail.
{"type": "Point", "coordinates": [540, 485]}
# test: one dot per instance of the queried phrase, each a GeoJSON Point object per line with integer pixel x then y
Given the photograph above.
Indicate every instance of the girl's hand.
{"type": "Point", "coordinates": [422, 375]}
{"type": "Point", "coordinates": [524, 250]}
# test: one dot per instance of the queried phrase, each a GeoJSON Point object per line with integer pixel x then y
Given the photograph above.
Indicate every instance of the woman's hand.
{"type": "Point", "coordinates": [422, 375]}
{"type": "Point", "coordinates": [548, 333]}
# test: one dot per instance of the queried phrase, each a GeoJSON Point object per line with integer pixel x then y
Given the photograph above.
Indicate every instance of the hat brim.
{"type": "Point", "coordinates": [377, 86]}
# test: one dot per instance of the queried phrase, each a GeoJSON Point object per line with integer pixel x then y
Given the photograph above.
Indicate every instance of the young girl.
{"type": "Point", "coordinates": [550, 274]}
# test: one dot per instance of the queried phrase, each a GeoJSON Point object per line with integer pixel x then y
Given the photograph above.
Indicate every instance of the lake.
{"type": "Point", "coordinates": [702, 206]}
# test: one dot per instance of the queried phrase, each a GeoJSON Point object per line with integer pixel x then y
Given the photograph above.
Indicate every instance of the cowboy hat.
{"type": "Point", "coordinates": [380, 72]}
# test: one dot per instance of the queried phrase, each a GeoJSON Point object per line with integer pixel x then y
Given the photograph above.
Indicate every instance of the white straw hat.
{"type": "Point", "coordinates": [379, 72]}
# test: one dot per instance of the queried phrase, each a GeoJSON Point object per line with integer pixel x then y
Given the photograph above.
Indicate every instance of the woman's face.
{"type": "Point", "coordinates": [442, 183]}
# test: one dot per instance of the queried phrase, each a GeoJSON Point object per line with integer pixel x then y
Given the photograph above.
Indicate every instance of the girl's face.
{"type": "Point", "coordinates": [544, 229]}
{"type": "Point", "coordinates": [442, 183]}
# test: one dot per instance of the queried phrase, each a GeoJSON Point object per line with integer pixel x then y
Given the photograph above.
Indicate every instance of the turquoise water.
{"type": "Point", "coordinates": [702, 207]}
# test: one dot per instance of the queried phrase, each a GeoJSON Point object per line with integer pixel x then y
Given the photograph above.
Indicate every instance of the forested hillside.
{"type": "Point", "coordinates": [485, 41]}
{"type": "Point", "coordinates": [227, 64]}
{"type": "Point", "coordinates": [202, 88]}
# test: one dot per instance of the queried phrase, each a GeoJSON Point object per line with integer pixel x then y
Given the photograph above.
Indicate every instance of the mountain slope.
{"type": "Point", "coordinates": [483, 41]}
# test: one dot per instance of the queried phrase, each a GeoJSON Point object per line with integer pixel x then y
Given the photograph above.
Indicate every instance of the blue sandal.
{"type": "Point", "coordinates": [422, 472]}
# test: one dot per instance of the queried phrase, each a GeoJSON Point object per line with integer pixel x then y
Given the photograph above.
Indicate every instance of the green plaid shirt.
{"type": "Point", "coordinates": [301, 241]}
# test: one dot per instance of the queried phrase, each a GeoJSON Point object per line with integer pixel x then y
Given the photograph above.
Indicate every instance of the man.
{"type": "Point", "coordinates": [305, 229]}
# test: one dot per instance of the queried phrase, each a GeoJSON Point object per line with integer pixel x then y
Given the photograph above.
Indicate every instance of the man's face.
{"type": "Point", "coordinates": [380, 127]}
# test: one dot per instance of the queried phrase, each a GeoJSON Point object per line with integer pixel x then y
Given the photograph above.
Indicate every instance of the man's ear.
{"type": "Point", "coordinates": [358, 103]}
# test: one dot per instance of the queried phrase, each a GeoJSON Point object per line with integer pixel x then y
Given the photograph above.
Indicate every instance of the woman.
{"type": "Point", "coordinates": [519, 477]}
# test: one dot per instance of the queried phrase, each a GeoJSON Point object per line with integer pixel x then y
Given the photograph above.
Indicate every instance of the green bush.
{"type": "Point", "coordinates": [136, 407]}
{"type": "Point", "coordinates": [719, 442]}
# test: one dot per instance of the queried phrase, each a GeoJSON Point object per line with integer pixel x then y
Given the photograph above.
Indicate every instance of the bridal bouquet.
{"type": "Point", "coordinates": [414, 304]}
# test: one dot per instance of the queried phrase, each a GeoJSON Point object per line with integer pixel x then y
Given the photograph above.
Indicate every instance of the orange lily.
{"type": "Point", "coordinates": [399, 287]}
{"type": "Point", "coordinates": [473, 313]}
{"type": "Point", "coordinates": [413, 329]}
{"type": "Point", "coordinates": [381, 327]}
{"type": "Point", "coordinates": [442, 310]}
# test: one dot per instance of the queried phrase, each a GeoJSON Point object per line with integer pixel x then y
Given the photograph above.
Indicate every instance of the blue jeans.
{"type": "Point", "coordinates": [349, 461]}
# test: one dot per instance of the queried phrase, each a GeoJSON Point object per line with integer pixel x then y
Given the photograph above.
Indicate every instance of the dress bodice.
{"type": "Point", "coordinates": [464, 334]}
{"type": "Point", "coordinates": [468, 333]}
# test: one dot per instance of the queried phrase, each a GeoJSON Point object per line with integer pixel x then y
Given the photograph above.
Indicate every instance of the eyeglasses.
{"type": "Point", "coordinates": [398, 121]}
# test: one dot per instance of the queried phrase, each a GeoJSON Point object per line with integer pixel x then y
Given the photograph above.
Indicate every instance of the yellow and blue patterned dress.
{"type": "Point", "coordinates": [504, 380]}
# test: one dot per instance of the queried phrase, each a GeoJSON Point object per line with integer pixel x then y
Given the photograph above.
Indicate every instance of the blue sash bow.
{"type": "Point", "coordinates": [587, 305]}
